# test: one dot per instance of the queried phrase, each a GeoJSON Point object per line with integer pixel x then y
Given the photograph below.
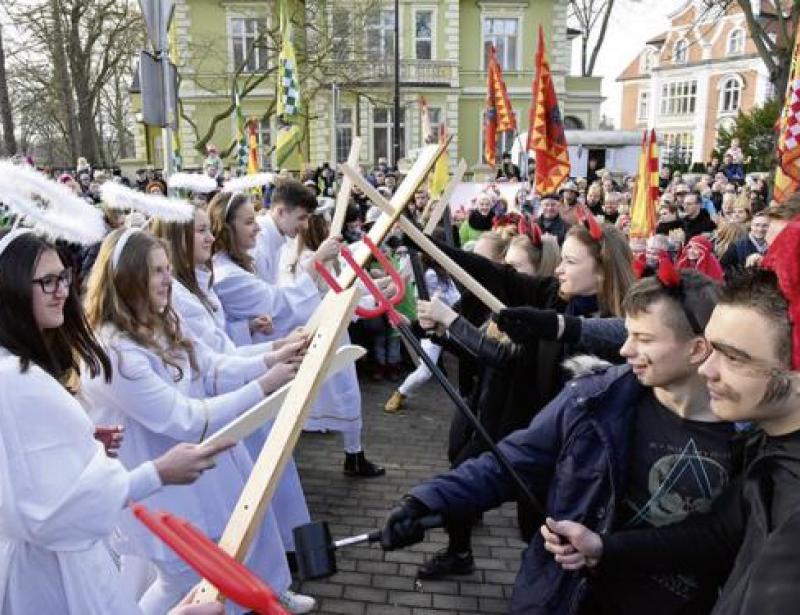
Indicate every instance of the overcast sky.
{"type": "Point", "coordinates": [632, 23]}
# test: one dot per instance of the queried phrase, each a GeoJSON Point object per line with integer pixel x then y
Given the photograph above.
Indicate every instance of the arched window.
{"type": "Point", "coordinates": [730, 95]}
{"type": "Point", "coordinates": [735, 44]}
{"type": "Point", "coordinates": [681, 52]}
{"type": "Point", "coordinates": [572, 123]}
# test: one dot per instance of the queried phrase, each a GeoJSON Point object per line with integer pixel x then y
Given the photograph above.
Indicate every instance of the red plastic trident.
{"type": "Point", "coordinates": [385, 306]}
{"type": "Point", "coordinates": [230, 577]}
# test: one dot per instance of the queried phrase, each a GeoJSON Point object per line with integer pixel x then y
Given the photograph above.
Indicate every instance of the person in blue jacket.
{"type": "Point", "coordinates": [622, 447]}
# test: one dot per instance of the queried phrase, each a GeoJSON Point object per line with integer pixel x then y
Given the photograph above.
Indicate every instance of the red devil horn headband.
{"type": "Point", "coordinates": [586, 218]}
{"type": "Point", "coordinates": [782, 259]}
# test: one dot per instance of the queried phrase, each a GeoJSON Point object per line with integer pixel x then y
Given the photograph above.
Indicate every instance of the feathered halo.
{"type": "Point", "coordinates": [118, 196]}
{"type": "Point", "coordinates": [248, 182]}
{"type": "Point", "coordinates": [199, 183]}
{"type": "Point", "coordinates": [48, 207]}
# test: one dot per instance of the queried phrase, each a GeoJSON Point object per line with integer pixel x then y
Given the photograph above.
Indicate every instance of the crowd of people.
{"type": "Point", "coordinates": [644, 388]}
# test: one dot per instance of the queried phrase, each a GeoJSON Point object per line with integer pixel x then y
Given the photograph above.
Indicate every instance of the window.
{"type": "Point", "coordinates": [380, 35]}
{"type": "Point", "coordinates": [681, 52]}
{"type": "Point", "coordinates": [572, 123]}
{"type": "Point", "coordinates": [423, 34]}
{"type": "Point", "coordinates": [264, 137]}
{"type": "Point", "coordinates": [677, 148]}
{"type": "Point", "coordinates": [382, 131]}
{"type": "Point", "coordinates": [647, 62]}
{"type": "Point", "coordinates": [245, 35]}
{"type": "Point", "coordinates": [505, 140]}
{"type": "Point", "coordinates": [730, 95]}
{"type": "Point", "coordinates": [344, 133]}
{"type": "Point", "coordinates": [643, 111]}
{"type": "Point", "coordinates": [735, 42]}
{"type": "Point", "coordinates": [678, 98]}
{"type": "Point", "coordinates": [341, 34]}
{"type": "Point", "coordinates": [503, 33]}
{"type": "Point", "coordinates": [435, 115]}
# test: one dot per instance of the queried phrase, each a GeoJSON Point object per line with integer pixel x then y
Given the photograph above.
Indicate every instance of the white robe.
{"type": "Point", "coordinates": [159, 410]}
{"type": "Point", "coordinates": [288, 501]}
{"type": "Point", "coordinates": [338, 405]}
{"type": "Point", "coordinates": [60, 498]}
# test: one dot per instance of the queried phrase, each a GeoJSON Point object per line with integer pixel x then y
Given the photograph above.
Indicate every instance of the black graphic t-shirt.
{"type": "Point", "coordinates": [676, 468]}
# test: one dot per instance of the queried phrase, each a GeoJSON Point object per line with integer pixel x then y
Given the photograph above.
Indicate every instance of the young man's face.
{"type": "Point", "coordinates": [744, 370]}
{"type": "Point", "coordinates": [658, 356]}
{"type": "Point", "coordinates": [290, 221]}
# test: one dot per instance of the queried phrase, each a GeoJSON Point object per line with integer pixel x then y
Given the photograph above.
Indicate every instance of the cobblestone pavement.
{"type": "Point", "coordinates": [412, 446]}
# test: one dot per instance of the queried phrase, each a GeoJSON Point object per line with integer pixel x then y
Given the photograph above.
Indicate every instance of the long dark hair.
{"type": "Point", "coordinates": [58, 351]}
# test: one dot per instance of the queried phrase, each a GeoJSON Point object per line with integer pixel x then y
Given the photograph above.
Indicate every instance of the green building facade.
{"type": "Point", "coordinates": [442, 48]}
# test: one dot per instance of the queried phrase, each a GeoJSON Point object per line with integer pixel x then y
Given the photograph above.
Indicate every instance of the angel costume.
{"type": "Point", "coordinates": [60, 498]}
{"type": "Point", "coordinates": [160, 407]}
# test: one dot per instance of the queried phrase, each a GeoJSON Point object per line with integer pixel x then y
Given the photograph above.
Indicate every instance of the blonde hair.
{"type": "Point", "coordinates": [728, 234]}
{"type": "Point", "coordinates": [544, 258]}
{"type": "Point", "coordinates": [120, 295]}
{"type": "Point", "coordinates": [498, 242]}
{"type": "Point", "coordinates": [613, 256]}
{"type": "Point", "coordinates": [222, 211]}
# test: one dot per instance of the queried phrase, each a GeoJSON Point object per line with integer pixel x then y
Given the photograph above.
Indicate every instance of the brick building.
{"type": "Point", "coordinates": [694, 78]}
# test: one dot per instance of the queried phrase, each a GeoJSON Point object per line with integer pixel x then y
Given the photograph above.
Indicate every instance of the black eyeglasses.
{"type": "Point", "coordinates": [52, 281]}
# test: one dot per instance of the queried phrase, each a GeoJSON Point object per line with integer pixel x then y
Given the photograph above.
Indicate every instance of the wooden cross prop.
{"type": "Point", "coordinates": [328, 323]}
{"type": "Point", "coordinates": [246, 518]}
{"type": "Point", "coordinates": [343, 196]}
{"type": "Point", "coordinates": [418, 237]}
{"type": "Point", "coordinates": [444, 200]}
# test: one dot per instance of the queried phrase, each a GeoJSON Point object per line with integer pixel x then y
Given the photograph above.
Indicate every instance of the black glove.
{"type": "Point", "coordinates": [525, 325]}
{"type": "Point", "coordinates": [402, 527]}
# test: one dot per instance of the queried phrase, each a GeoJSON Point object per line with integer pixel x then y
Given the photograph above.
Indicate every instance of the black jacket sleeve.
{"type": "Point", "coordinates": [488, 351]}
{"type": "Point", "coordinates": [504, 282]}
{"type": "Point", "coordinates": [702, 544]}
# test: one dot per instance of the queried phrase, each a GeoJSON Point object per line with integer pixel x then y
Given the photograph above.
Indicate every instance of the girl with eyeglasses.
{"type": "Point", "coordinates": [60, 493]}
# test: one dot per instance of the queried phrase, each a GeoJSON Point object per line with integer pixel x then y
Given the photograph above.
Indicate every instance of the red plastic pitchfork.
{"type": "Point", "coordinates": [230, 577]}
{"type": "Point", "coordinates": [386, 306]}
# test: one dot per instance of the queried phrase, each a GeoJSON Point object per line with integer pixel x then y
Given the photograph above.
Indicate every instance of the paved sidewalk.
{"type": "Point", "coordinates": [412, 446]}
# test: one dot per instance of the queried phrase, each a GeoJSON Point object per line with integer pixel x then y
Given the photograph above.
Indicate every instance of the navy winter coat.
{"type": "Point", "coordinates": [573, 456]}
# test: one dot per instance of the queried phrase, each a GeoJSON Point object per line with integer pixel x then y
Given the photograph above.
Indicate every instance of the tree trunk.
{"type": "Point", "coordinates": [61, 76]}
{"type": "Point", "coordinates": [6, 117]}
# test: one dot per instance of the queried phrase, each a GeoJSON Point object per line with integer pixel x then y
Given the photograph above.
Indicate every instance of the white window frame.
{"type": "Point", "coordinates": [643, 106]}
{"type": "Point", "coordinates": [742, 41]}
{"type": "Point", "coordinates": [340, 145]}
{"type": "Point", "coordinates": [424, 9]}
{"type": "Point", "coordinates": [685, 143]}
{"type": "Point", "coordinates": [390, 127]}
{"type": "Point", "coordinates": [723, 84]}
{"type": "Point", "coordinates": [678, 98]}
{"type": "Point", "coordinates": [509, 134]}
{"type": "Point", "coordinates": [647, 61]}
{"type": "Point", "coordinates": [264, 127]}
{"type": "Point", "coordinates": [518, 47]}
{"type": "Point", "coordinates": [685, 58]}
{"type": "Point", "coordinates": [435, 125]}
{"type": "Point", "coordinates": [384, 54]}
{"type": "Point", "coordinates": [231, 18]}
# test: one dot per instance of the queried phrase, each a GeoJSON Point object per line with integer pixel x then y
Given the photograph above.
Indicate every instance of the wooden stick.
{"type": "Point", "coordinates": [249, 512]}
{"type": "Point", "coordinates": [444, 201]}
{"type": "Point", "coordinates": [343, 197]}
{"type": "Point", "coordinates": [418, 237]}
{"type": "Point", "coordinates": [268, 409]}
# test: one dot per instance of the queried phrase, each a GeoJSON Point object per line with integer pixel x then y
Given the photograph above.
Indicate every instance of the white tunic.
{"type": "Point", "coordinates": [60, 498]}
{"type": "Point", "coordinates": [338, 405]}
{"type": "Point", "coordinates": [289, 501]}
{"type": "Point", "coordinates": [159, 409]}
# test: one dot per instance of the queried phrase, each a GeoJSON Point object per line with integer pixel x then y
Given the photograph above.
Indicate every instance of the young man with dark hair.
{"type": "Point", "coordinates": [629, 446]}
{"type": "Point", "coordinates": [753, 530]}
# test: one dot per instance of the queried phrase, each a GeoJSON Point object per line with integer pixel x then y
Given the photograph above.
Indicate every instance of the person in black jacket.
{"type": "Point", "coordinates": [753, 530]}
{"type": "Point", "coordinates": [738, 254]}
{"type": "Point", "coordinates": [625, 446]}
{"type": "Point", "coordinates": [550, 220]}
{"type": "Point", "coordinates": [695, 218]}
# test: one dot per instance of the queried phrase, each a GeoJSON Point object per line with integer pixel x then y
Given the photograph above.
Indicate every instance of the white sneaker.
{"type": "Point", "coordinates": [297, 603]}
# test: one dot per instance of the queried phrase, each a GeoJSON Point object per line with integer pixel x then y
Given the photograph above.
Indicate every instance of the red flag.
{"type": "Point", "coordinates": [499, 115]}
{"type": "Point", "coordinates": [546, 129]}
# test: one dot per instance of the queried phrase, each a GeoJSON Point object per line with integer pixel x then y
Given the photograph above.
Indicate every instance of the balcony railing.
{"type": "Point", "coordinates": [429, 72]}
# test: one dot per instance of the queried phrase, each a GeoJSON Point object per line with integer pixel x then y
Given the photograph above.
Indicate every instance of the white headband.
{"type": "Point", "coordinates": [228, 206]}
{"type": "Point", "coordinates": [11, 236]}
{"type": "Point", "coordinates": [121, 246]}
